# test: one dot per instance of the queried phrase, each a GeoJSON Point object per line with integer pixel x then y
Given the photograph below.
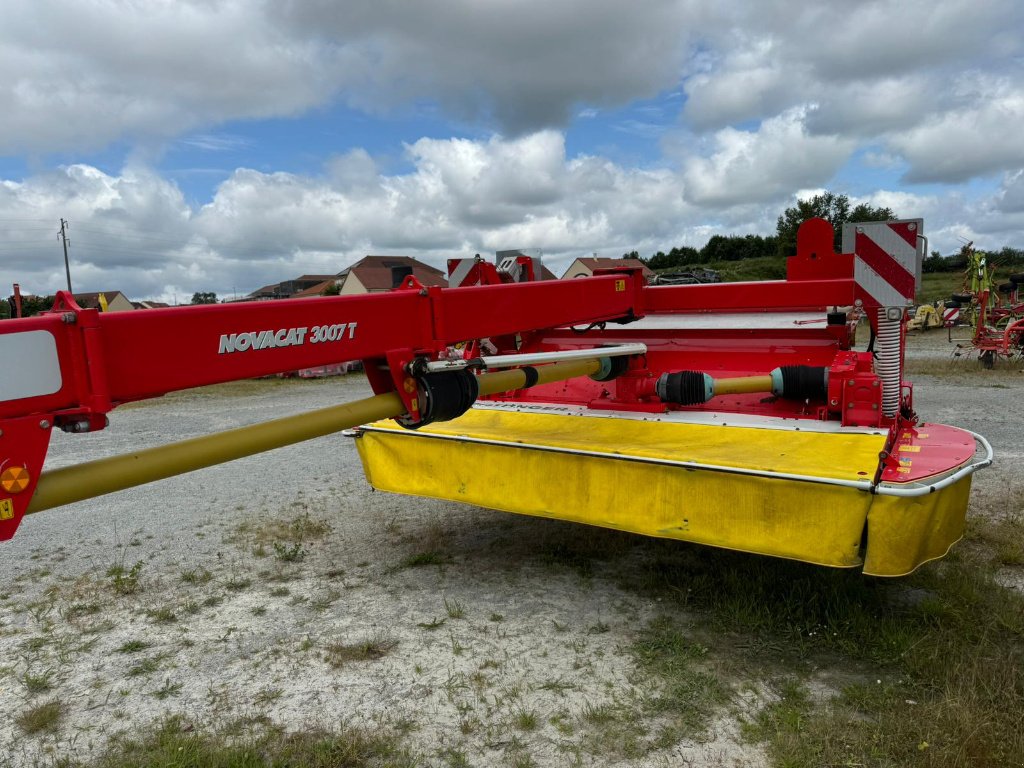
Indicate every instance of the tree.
{"type": "Point", "coordinates": [333, 289]}
{"type": "Point", "coordinates": [835, 209]}
{"type": "Point", "coordinates": [737, 248]}
{"type": "Point", "coordinates": [680, 256]}
{"type": "Point", "coordinates": [204, 298]}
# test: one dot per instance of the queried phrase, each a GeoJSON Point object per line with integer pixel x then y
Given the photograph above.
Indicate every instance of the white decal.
{"type": "Point", "coordinates": [285, 337]}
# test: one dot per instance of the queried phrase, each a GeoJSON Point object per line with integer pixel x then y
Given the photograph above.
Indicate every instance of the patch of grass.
{"type": "Point", "coordinates": [598, 629]}
{"type": "Point", "coordinates": [75, 610]}
{"type": "Point", "coordinates": [376, 647]}
{"type": "Point", "coordinates": [1004, 537]}
{"type": "Point", "coordinates": [421, 559]}
{"type": "Point", "coordinates": [237, 583]}
{"type": "Point", "coordinates": [41, 718]}
{"type": "Point", "coordinates": [175, 743]}
{"type": "Point", "coordinates": [559, 686]}
{"type": "Point", "coordinates": [144, 667]}
{"type": "Point", "coordinates": [196, 576]}
{"type": "Point", "coordinates": [690, 694]}
{"type": "Point", "coordinates": [298, 530]}
{"type": "Point", "coordinates": [125, 581]}
{"type": "Point", "coordinates": [280, 592]}
{"type": "Point", "coordinates": [167, 689]}
{"type": "Point", "coordinates": [40, 683]}
{"type": "Point", "coordinates": [525, 720]}
{"type": "Point", "coordinates": [435, 623]}
{"type": "Point", "coordinates": [163, 615]}
{"type": "Point", "coordinates": [268, 696]}
{"type": "Point", "coordinates": [948, 638]}
{"type": "Point", "coordinates": [454, 608]}
{"type": "Point", "coordinates": [133, 646]}
{"type": "Point", "coordinates": [293, 554]}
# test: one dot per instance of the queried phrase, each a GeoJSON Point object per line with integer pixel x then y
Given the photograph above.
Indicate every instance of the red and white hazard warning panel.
{"type": "Point", "coordinates": [950, 316]}
{"type": "Point", "coordinates": [887, 258]}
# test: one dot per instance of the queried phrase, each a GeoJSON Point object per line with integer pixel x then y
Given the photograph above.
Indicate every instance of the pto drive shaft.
{"type": "Point", "coordinates": [96, 478]}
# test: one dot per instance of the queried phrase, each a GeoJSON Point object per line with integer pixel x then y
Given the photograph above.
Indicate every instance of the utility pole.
{"type": "Point", "coordinates": [63, 235]}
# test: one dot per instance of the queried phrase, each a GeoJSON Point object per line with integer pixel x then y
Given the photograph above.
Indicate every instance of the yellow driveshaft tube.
{"type": "Point", "coordinates": [96, 478]}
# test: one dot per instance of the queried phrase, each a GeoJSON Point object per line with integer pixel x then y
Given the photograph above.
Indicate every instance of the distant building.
{"type": "Point", "coordinates": [116, 301]}
{"type": "Point", "coordinates": [315, 290]}
{"type": "Point", "coordinates": [584, 267]}
{"type": "Point", "coordinates": [150, 304]}
{"type": "Point", "coordinates": [289, 288]}
{"type": "Point", "coordinates": [372, 274]}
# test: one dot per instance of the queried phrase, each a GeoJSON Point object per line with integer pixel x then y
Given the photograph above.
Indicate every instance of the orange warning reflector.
{"type": "Point", "coordinates": [14, 479]}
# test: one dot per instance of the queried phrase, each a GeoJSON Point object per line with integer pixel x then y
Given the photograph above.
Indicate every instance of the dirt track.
{"type": "Point", "coordinates": [497, 630]}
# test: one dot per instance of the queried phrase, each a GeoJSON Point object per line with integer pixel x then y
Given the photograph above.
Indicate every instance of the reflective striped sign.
{"type": "Point", "coordinates": [888, 257]}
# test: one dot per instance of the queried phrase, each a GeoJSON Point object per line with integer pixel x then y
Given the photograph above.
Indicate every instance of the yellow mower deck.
{"type": "Point", "coordinates": [769, 486]}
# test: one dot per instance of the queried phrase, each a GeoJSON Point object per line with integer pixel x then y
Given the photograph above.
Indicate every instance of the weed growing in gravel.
{"type": "Point", "coordinates": [179, 744]}
{"type": "Point", "coordinates": [133, 646]}
{"type": "Point", "coordinates": [40, 683]}
{"type": "Point", "coordinates": [76, 610]}
{"type": "Point", "coordinates": [435, 623]}
{"type": "Point", "coordinates": [293, 554]}
{"type": "Point", "coordinates": [300, 530]}
{"type": "Point", "coordinates": [162, 615]}
{"type": "Point", "coordinates": [375, 647]}
{"type": "Point", "coordinates": [237, 583]}
{"type": "Point", "coordinates": [455, 609]}
{"type": "Point", "coordinates": [41, 718]}
{"type": "Point", "coordinates": [167, 689]}
{"type": "Point", "coordinates": [421, 559]}
{"type": "Point", "coordinates": [525, 719]}
{"type": "Point", "coordinates": [145, 667]}
{"type": "Point", "coordinates": [125, 581]}
{"type": "Point", "coordinates": [268, 696]}
{"type": "Point", "coordinates": [690, 694]}
{"type": "Point", "coordinates": [196, 576]}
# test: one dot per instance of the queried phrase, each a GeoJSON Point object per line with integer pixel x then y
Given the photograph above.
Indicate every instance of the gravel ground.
{"type": "Point", "coordinates": [493, 652]}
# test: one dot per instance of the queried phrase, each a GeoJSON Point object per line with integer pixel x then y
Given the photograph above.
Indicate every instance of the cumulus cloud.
{"type": "Point", "coordinates": [757, 166]}
{"type": "Point", "coordinates": [81, 75]}
{"type": "Point", "coordinates": [136, 233]}
{"type": "Point", "coordinates": [981, 137]}
{"type": "Point", "coordinates": [910, 75]}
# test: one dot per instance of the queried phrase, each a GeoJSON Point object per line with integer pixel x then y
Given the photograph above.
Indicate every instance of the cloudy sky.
{"type": "Point", "coordinates": [220, 146]}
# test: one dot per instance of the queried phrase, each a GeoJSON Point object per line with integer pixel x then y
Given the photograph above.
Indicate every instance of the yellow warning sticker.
{"type": "Point", "coordinates": [6, 509]}
{"type": "Point", "coordinates": [922, 435]}
{"type": "Point", "coordinates": [903, 470]}
{"type": "Point", "coordinates": [910, 448]}
{"type": "Point", "coordinates": [620, 286]}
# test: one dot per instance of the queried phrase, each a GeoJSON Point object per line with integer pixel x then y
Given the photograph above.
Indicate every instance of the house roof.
{"type": "Point", "coordinates": [374, 272]}
{"type": "Point", "coordinates": [312, 278]}
{"type": "Point", "coordinates": [266, 289]}
{"type": "Point", "coordinates": [150, 304]}
{"type": "Point", "coordinates": [314, 290]}
{"type": "Point", "coordinates": [92, 300]}
{"type": "Point", "coordinates": [603, 262]}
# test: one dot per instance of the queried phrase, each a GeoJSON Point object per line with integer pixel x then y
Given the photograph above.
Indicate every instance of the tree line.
{"type": "Point", "coordinates": [836, 209]}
